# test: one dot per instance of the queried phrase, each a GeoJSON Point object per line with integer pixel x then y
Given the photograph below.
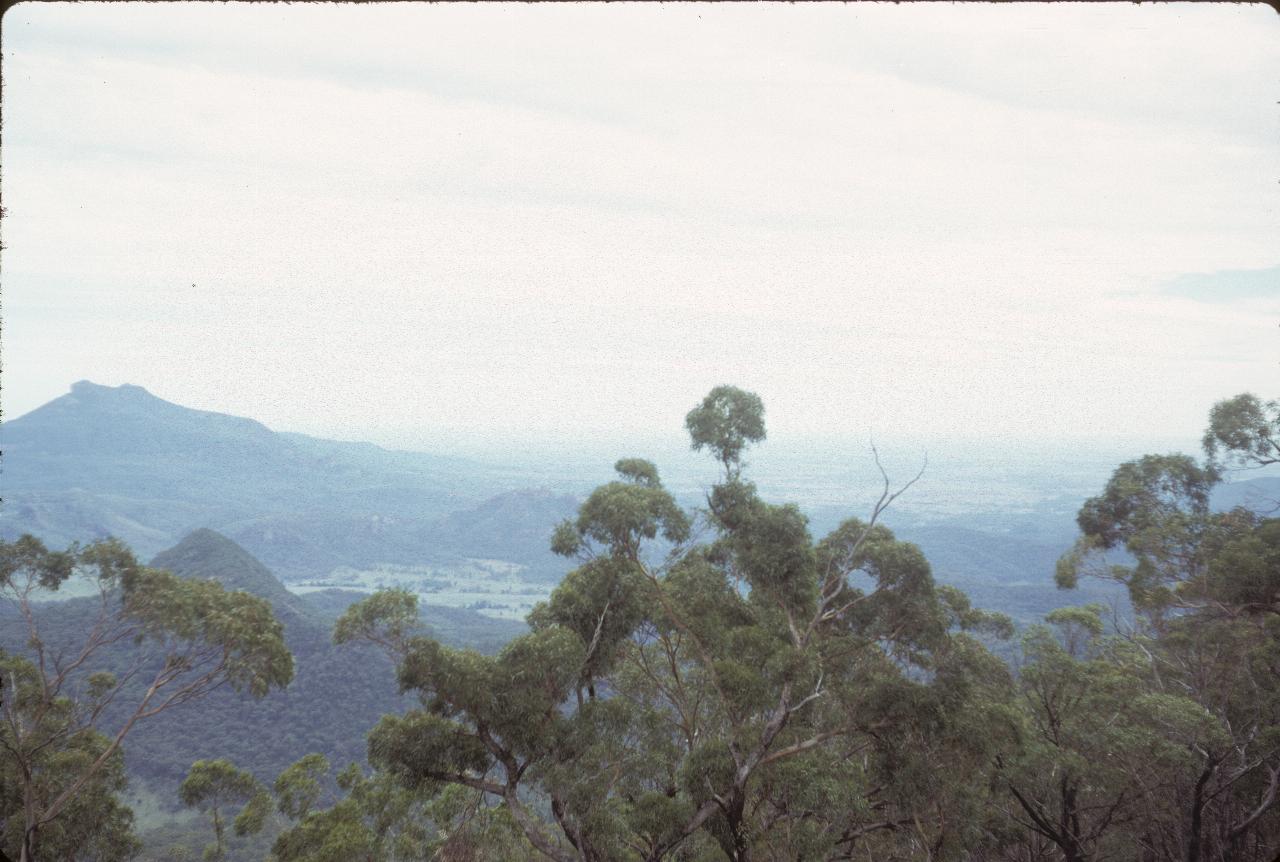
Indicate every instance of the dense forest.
{"type": "Point", "coordinates": [704, 684]}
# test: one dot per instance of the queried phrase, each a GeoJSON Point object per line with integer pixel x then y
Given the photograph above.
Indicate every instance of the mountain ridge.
{"type": "Point", "coordinates": [104, 460]}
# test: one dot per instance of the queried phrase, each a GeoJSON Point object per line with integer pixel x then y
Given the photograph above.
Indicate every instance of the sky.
{"type": "Point", "coordinates": [456, 226]}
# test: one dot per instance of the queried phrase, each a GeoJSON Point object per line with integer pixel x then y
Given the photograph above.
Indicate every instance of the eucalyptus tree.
{"type": "Point", "coordinates": [759, 695]}
{"type": "Point", "coordinates": [378, 819]}
{"type": "Point", "coordinates": [213, 786]}
{"type": "Point", "coordinates": [96, 824]}
{"type": "Point", "coordinates": [166, 640]}
{"type": "Point", "coordinates": [1205, 587]}
{"type": "Point", "coordinates": [1101, 749]}
{"type": "Point", "coordinates": [1244, 432]}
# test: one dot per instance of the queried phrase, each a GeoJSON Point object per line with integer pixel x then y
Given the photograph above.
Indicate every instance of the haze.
{"type": "Point", "coordinates": [452, 226]}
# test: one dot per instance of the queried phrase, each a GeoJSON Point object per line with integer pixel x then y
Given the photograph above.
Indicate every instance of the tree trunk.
{"type": "Point", "coordinates": [1197, 813]}
{"type": "Point", "coordinates": [740, 848]}
{"type": "Point", "coordinates": [221, 852]}
{"type": "Point", "coordinates": [1070, 824]}
{"type": "Point", "coordinates": [28, 851]}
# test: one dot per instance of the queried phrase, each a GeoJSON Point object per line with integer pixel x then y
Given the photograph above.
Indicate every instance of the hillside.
{"type": "Point", "coordinates": [337, 695]}
{"type": "Point", "coordinates": [119, 461]}
{"type": "Point", "coordinates": [207, 554]}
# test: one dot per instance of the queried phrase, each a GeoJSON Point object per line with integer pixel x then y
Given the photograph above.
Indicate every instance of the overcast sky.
{"type": "Point", "coordinates": [432, 225]}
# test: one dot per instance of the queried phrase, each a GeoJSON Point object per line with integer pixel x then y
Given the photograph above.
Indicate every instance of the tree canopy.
{"type": "Point", "coordinates": [1204, 647]}
{"type": "Point", "coordinates": [675, 698]}
{"type": "Point", "coordinates": [719, 684]}
{"type": "Point", "coordinates": [183, 637]}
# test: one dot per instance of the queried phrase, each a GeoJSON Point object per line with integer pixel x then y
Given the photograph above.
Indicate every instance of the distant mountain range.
{"type": "Point", "coordinates": [119, 461]}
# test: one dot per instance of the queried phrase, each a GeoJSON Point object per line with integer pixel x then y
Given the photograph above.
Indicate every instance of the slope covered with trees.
{"type": "Point", "coordinates": [149, 643]}
{"type": "Point", "coordinates": [752, 693]}
{"type": "Point", "coordinates": [334, 696]}
{"type": "Point", "coordinates": [720, 684]}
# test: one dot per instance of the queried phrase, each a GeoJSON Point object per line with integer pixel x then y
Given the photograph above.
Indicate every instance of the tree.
{"type": "Point", "coordinates": [1100, 748]}
{"type": "Point", "coordinates": [1155, 509]}
{"type": "Point", "coordinates": [726, 422]}
{"type": "Point", "coordinates": [213, 785]}
{"type": "Point", "coordinates": [761, 695]}
{"type": "Point", "coordinates": [298, 787]}
{"type": "Point", "coordinates": [1244, 431]}
{"type": "Point", "coordinates": [95, 825]}
{"type": "Point", "coordinates": [1205, 585]}
{"type": "Point", "coordinates": [380, 820]}
{"type": "Point", "coordinates": [171, 641]}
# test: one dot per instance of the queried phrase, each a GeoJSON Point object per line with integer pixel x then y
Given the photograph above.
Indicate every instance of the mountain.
{"type": "Point", "coordinates": [119, 461]}
{"type": "Point", "coordinates": [207, 554]}
{"type": "Point", "coordinates": [1260, 494]}
{"type": "Point", "coordinates": [513, 525]}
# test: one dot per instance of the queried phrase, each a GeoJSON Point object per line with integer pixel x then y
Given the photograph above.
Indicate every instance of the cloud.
{"type": "Point", "coordinates": [452, 217]}
{"type": "Point", "coordinates": [1228, 286]}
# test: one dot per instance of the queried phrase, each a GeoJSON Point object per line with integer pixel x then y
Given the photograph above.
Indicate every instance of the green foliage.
{"type": "Point", "coordinates": [1098, 743]}
{"type": "Point", "coordinates": [253, 816]}
{"type": "Point", "coordinates": [238, 628]}
{"type": "Point", "coordinates": [639, 471]}
{"type": "Point", "coordinates": [1244, 431]}
{"type": "Point", "coordinates": [338, 834]}
{"type": "Point", "coordinates": [28, 559]}
{"type": "Point", "coordinates": [182, 639]}
{"type": "Point", "coordinates": [95, 823]}
{"type": "Point", "coordinates": [381, 819]}
{"type": "Point", "coordinates": [1147, 499]}
{"type": "Point", "coordinates": [298, 788]}
{"type": "Point", "coordinates": [337, 694]}
{"type": "Point", "coordinates": [1162, 740]}
{"type": "Point", "coordinates": [621, 515]}
{"type": "Point", "coordinates": [1245, 573]}
{"type": "Point", "coordinates": [769, 694]}
{"type": "Point", "coordinates": [770, 546]}
{"type": "Point", "coordinates": [962, 615]}
{"type": "Point", "coordinates": [1155, 509]}
{"type": "Point", "coordinates": [213, 785]}
{"type": "Point", "coordinates": [421, 749]}
{"type": "Point", "coordinates": [1078, 628]}
{"type": "Point", "coordinates": [762, 694]}
{"type": "Point", "coordinates": [601, 602]}
{"type": "Point", "coordinates": [388, 618]}
{"type": "Point", "coordinates": [726, 421]}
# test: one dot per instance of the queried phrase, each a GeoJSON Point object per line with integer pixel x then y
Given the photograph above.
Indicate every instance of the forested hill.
{"type": "Point", "coordinates": [119, 461]}
{"type": "Point", "coordinates": [208, 554]}
{"type": "Point", "coordinates": [694, 687]}
{"type": "Point", "coordinates": [337, 694]}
